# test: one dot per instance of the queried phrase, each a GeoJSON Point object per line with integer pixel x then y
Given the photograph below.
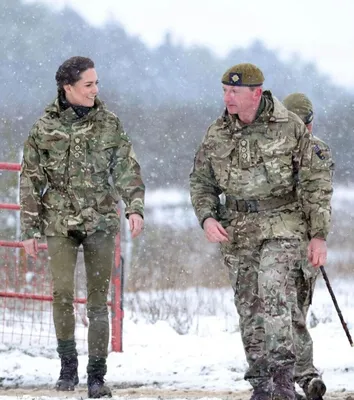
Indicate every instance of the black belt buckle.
{"type": "Point", "coordinates": [251, 206]}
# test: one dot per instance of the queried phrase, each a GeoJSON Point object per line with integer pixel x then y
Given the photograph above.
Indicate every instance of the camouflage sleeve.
{"type": "Point", "coordinates": [125, 171]}
{"type": "Point", "coordinates": [315, 184]}
{"type": "Point", "coordinates": [204, 189]}
{"type": "Point", "coordinates": [32, 184]}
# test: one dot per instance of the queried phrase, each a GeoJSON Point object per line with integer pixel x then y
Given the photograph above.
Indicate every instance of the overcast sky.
{"type": "Point", "coordinates": [321, 31]}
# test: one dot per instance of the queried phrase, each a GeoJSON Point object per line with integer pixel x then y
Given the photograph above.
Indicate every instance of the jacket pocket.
{"type": "Point", "coordinates": [53, 155]}
{"type": "Point", "coordinates": [276, 156]}
{"type": "Point", "coordinates": [221, 164]}
{"type": "Point", "coordinates": [101, 157]}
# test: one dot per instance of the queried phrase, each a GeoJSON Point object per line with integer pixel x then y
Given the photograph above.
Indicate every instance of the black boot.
{"type": "Point", "coordinates": [299, 396]}
{"type": "Point", "coordinates": [284, 387]}
{"type": "Point", "coordinates": [68, 378]}
{"type": "Point", "coordinates": [314, 389]}
{"type": "Point", "coordinates": [96, 370]}
{"type": "Point", "coordinates": [97, 388]}
{"type": "Point", "coordinates": [262, 389]}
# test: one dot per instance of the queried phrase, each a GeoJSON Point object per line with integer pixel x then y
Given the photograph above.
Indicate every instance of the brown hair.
{"type": "Point", "coordinates": [70, 71]}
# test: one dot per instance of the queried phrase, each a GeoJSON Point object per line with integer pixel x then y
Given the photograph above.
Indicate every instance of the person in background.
{"type": "Point", "coordinates": [306, 375]}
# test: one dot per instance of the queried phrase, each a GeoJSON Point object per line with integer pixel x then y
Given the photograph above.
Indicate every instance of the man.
{"type": "Point", "coordinates": [306, 375]}
{"type": "Point", "coordinates": [257, 154]}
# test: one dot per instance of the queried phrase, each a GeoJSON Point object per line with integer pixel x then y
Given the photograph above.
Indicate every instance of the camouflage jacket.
{"type": "Point", "coordinates": [266, 160]}
{"type": "Point", "coordinates": [74, 171]}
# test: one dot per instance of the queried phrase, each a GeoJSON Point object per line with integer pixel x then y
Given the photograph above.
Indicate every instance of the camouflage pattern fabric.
{"type": "Point", "coordinates": [303, 278]}
{"type": "Point", "coordinates": [266, 160]}
{"type": "Point", "coordinates": [74, 171]}
{"type": "Point", "coordinates": [260, 280]}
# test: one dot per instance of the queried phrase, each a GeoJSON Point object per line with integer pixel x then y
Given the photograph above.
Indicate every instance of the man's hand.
{"type": "Point", "coordinates": [31, 247]}
{"type": "Point", "coordinates": [214, 231]}
{"type": "Point", "coordinates": [136, 224]}
{"type": "Point", "coordinates": [317, 252]}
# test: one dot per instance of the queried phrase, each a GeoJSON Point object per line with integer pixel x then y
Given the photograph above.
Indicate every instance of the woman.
{"type": "Point", "coordinates": [77, 161]}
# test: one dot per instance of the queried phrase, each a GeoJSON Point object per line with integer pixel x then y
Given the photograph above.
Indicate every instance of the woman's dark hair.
{"type": "Point", "coordinates": [70, 71]}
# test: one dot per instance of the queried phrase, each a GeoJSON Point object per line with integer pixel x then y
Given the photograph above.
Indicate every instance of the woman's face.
{"type": "Point", "coordinates": [84, 91]}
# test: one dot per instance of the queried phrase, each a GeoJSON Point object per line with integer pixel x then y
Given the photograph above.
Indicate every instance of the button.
{"type": "Point", "coordinates": [244, 155]}
{"type": "Point", "coordinates": [76, 155]}
{"type": "Point", "coordinates": [77, 147]}
{"type": "Point", "coordinates": [77, 140]}
{"type": "Point", "coordinates": [243, 143]}
{"type": "Point", "coordinates": [243, 149]}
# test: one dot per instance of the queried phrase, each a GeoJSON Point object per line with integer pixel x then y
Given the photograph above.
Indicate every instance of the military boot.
{"type": "Point", "coordinates": [96, 370]}
{"type": "Point", "coordinates": [68, 377]}
{"type": "Point", "coordinates": [299, 396]}
{"type": "Point", "coordinates": [284, 387]}
{"type": "Point", "coordinates": [262, 389]}
{"type": "Point", "coordinates": [314, 389]}
{"type": "Point", "coordinates": [97, 388]}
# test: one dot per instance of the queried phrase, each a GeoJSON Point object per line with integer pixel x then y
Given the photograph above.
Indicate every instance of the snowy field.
{"type": "Point", "coordinates": [207, 360]}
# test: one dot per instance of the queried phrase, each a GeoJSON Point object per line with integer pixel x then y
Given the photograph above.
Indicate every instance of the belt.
{"type": "Point", "coordinates": [259, 205]}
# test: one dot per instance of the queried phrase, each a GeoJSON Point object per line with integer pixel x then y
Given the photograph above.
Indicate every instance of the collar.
{"type": "Point", "coordinates": [70, 113]}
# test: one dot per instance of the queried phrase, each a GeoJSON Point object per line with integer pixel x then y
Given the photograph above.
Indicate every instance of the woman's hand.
{"type": "Point", "coordinates": [31, 247]}
{"type": "Point", "coordinates": [136, 224]}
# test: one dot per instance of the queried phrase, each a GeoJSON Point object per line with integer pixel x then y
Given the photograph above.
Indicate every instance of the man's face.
{"type": "Point", "coordinates": [84, 91]}
{"type": "Point", "coordinates": [240, 99]}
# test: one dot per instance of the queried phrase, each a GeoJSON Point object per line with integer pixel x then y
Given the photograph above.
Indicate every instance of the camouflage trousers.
{"type": "Point", "coordinates": [98, 251]}
{"type": "Point", "coordinates": [264, 293]}
{"type": "Point", "coordinates": [304, 277]}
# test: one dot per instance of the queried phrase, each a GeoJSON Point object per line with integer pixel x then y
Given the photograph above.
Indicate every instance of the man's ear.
{"type": "Point", "coordinates": [309, 126]}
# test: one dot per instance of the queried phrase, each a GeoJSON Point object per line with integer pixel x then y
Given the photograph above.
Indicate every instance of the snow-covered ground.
{"type": "Point", "coordinates": [210, 356]}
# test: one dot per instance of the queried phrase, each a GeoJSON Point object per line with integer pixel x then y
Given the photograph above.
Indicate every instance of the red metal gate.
{"type": "Point", "coordinates": [26, 293]}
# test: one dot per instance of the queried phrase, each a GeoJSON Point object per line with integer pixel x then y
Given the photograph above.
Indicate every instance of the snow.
{"type": "Point", "coordinates": [210, 356]}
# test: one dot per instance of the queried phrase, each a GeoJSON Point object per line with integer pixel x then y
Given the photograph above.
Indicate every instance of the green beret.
{"type": "Point", "coordinates": [243, 75]}
{"type": "Point", "coordinates": [301, 105]}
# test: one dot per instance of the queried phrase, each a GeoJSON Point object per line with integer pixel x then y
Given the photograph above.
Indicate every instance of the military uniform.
{"type": "Point", "coordinates": [277, 192]}
{"type": "Point", "coordinates": [305, 275]}
{"type": "Point", "coordinates": [75, 168]}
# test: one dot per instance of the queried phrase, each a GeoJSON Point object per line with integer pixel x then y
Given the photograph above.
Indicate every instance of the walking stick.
{"type": "Point", "coordinates": [346, 330]}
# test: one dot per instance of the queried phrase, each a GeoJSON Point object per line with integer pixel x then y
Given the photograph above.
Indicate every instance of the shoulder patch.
{"type": "Point", "coordinates": [319, 152]}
